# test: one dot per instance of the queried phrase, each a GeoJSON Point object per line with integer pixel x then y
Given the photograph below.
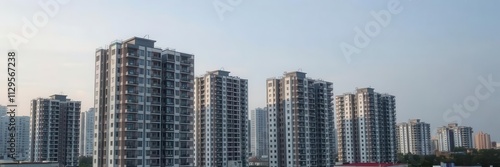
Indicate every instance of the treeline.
{"type": "Point", "coordinates": [461, 157]}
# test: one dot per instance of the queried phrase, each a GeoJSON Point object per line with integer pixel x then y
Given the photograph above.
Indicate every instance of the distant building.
{"type": "Point", "coordinates": [301, 125]}
{"type": "Point", "coordinates": [435, 145]}
{"type": "Point", "coordinates": [414, 137]}
{"type": "Point", "coordinates": [22, 132]}
{"type": "Point", "coordinates": [259, 134]}
{"type": "Point", "coordinates": [366, 127]}
{"type": "Point", "coordinates": [54, 130]}
{"type": "Point", "coordinates": [482, 141]}
{"type": "Point", "coordinates": [453, 136]}
{"type": "Point", "coordinates": [87, 132]}
{"type": "Point", "coordinates": [494, 144]}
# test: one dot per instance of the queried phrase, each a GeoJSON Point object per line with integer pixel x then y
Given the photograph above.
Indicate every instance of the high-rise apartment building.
{"type": "Point", "coordinates": [22, 133]}
{"type": "Point", "coordinates": [366, 126]}
{"type": "Point", "coordinates": [221, 115]}
{"type": "Point", "coordinates": [259, 135]}
{"type": "Point", "coordinates": [452, 136]}
{"type": "Point", "coordinates": [301, 125]}
{"type": "Point", "coordinates": [482, 141]}
{"type": "Point", "coordinates": [143, 100]}
{"type": "Point", "coordinates": [434, 145]}
{"type": "Point", "coordinates": [414, 137]}
{"type": "Point", "coordinates": [87, 119]}
{"type": "Point", "coordinates": [55, 130]}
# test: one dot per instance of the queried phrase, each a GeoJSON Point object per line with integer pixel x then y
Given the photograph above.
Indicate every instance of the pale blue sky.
{"type": "Point", "coordinates": [429, 56]}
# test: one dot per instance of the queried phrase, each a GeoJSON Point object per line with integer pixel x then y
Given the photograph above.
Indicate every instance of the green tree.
{"type": "Point", "coordinates": [85, 161]}
{"type": "Point", "coordinates": [487, 157]}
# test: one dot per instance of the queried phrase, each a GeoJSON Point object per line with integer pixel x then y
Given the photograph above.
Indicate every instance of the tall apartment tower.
{"type": "Point", "coordinates": [482, 140]}
{"type": "Point", "coordinates": [414, 137]}
{"type": "Point", "coordinates": [87, 120]}
{"type": "Point", "coordinates": [301, 126]}
{"type": "Point", "coordinates": [21, 132]}
{"type": "Point", "coordinates": [143, 100]}
{"type": "Point", "coordinates": [55, 130]}
{"type": "Point", "coordinates": [452, 136]}
{"type": "Point", "coordinates": [366, 126]}
{"type": "Point", "coordinates": [259, 134]}
{"type": "Point", "coordinates": [221, 115]}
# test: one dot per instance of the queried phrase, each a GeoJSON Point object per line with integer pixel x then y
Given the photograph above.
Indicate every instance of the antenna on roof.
{"type": "Point", "coordinates": [300, 69]}
{"type": "Point", "coordinates": [146, 36]}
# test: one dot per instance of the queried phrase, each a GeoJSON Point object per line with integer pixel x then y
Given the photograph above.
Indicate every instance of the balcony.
{"type": "Point", "coordinates": [156, 84]}
{"type": "Point", "coordinates": [156, 76]}
{"type": "Point", "coordinates": [155, 93]}
{"type": "Point", "coordinates": [185, 61]}
{"type": "Point", "coordinates": [133, 64]}
{"type": "Point", "coordinates": [156, 67]}
{"type": "Point", "coordinates": [132, 92]}
{"type": "Point", "coordinates": [131, 110]}
{"type": "Point", "coordinates": [131, 82]}
{"type": "Point", "coordinates": [132, 55]}
{"type": "Point", "coordinates": [132, 101]}
{"type": "Point", "coordinates": [170, 68]}
{"type": "Point", "coordinates": [156, 57]}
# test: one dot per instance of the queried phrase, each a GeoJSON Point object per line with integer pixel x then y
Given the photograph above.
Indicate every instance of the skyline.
{"type": "Point", "coordinates": [443, 50]}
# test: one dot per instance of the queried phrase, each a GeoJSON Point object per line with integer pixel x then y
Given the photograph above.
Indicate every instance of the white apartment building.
{"type": "Point", "coordinates": [301, 125]}
{"type": "Point", "coordinates": [221, 115]}
{"type": "Point", "coordinates": [452, 136]}
{"type": "Point", "coordinates": [144, 105]}
{"type": "Point", "coordinates": [87, 132]}
{"type": "Point", "coordinates": [414, 137]}
{"type": "Point", "coordinates": [259, 134]}
{"type": "Point", "coordinates": [55, 130]}
{"type": "Point", "coordinates": [366, 127]}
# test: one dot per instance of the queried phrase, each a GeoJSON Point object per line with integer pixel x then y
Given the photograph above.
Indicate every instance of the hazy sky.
{"type": "Point", "coordinates": [429, 55]}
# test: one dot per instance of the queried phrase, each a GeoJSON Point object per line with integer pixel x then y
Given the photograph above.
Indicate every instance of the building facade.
{"type": "Point", "coordinates": [3, 110]}
{"type": "Point", "coordinates": [55, 130]}
{"type": "Point", "coordinates": [22, 133]}
{"type": "Point", "coordinates": [414, 137]}
{"type": "Point", "coordinates": [366, 127]}
{"type": "Point", "coordinates": [482, 141]}
{"type": "Point", "coordinates": [300, 118]}
{"type": "Point", "coordinates": [221, 115]}
{"type": "Point", "coordinates": [453, 136]}
{"type": "Point", "coordinates": [87, 132]}
{"type": "Point", "coordinates": [259, 135]}
{"type": "Point", "coordinates": [143, 99]}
